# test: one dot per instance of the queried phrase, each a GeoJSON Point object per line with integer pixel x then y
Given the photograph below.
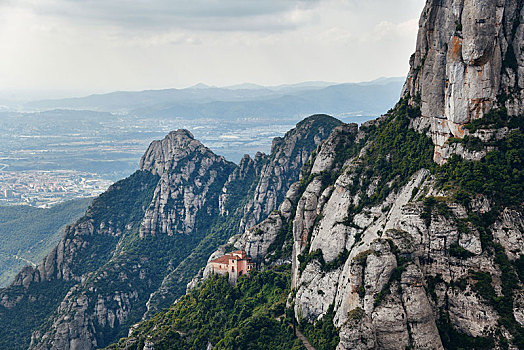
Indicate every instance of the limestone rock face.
{"type": "Point", "coordinates": [394, 263]}
{"type": "Point", "coordinates": [188, 171]}
{"type": "Point", "coordinates": [259, 240]}
{"type": "Point", "coordinates": [243, 176]}
{"type": "Point", "coordinates": [467, 56]}
{"type": "Point", "coordinates": [397, 307]}
{"type": "Point", "coordinates": [252, 191]}
{"type": "Point", "coordinates": [77, 333]}
{"type": "Point", "coordinates": [57, 264]}
{"type": "Point", "coordinates": [508, 232]}
{"type": "Point", "coordinates": [282, 167]}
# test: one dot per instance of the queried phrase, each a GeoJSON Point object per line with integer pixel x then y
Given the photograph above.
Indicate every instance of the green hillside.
{"type": "Point", "coordinates": [245, 316]}
{"type": "Point", "coordinates": [29, 233]}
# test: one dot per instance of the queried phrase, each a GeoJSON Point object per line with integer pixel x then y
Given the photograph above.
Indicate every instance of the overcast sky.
{"type": "Point", "coordinates": [106, 45]}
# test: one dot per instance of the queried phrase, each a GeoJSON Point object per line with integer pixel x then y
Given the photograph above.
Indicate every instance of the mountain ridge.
{"type": "Point", "coordinates": [166, 217]}
{"type": "Point", "coordinates": [405, 232]}
{"type": "Point", "coordinates": [213, 102]}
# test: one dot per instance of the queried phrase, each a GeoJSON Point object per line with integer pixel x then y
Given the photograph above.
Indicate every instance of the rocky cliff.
{"type": "Point", "coordinates": [250, 193]}
{"type": "Point", "coordinates": [140, 242]}
{"type": "Point", "coordinates": [406, 232]}
{"type": "Point", "coordinates": [282, 168]}
{"type": "Point", "coordinates": [468, 60]}
{"type": "Point", "coordinates": [400, 253]}
{"type": "Point", "coordinates": [395, 251]}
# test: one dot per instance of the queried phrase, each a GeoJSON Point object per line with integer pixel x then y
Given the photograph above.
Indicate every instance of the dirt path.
{"type": "Point", "coordinates": [304, 341]}
{"type": "Point", "coordinates": [299, 334]}
{"type": "Point", "coordinates": [25, 260]}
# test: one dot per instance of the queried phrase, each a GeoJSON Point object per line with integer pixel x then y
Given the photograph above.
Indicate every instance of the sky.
{"type": "Point", "coordinates": [71, 47]}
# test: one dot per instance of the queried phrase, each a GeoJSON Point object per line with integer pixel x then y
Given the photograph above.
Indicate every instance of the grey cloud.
{"type": "Point", "coordinates": [224, 15]}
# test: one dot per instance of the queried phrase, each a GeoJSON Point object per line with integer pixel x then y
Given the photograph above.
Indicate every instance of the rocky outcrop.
{"type": "Point", "coordinates": [401, 273]}
{"type": "Point", "coordinates": [190, 176]}
{"type": "Point", "coordinates": [467, 61]}
{"type": "Point", "coordinates": [413, 274]}
{"type": "Point", "coordinates": [404, 271]}
{"type": "Point", "coordinates": [261, 240]}
{"type": "Point", "coordinates": [283, 166]}
{"type": "Point", "coordinates": [392, 250]}
{"type": "Point", "coordinates": [57, 264]}
{"type": "Point", "coordinates": [245, 195]}
{"type": "Point", "coordinates": [244, 176]}
{"type": "Point", "coordinates": [507, 230]}
{"type": "Point", "coordinates": [378, 246]}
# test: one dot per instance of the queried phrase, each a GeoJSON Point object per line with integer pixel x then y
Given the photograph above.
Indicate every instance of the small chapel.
{"type": "Point", "coordinates": [235, 264]}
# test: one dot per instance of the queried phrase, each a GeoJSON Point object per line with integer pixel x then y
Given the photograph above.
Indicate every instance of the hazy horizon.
{"type": "Point", "coordinates": [65, 48]}
{"type": "Point", "coordinates": [29, 95]}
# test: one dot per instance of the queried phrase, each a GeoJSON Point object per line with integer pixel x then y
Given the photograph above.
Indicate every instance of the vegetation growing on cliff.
{"type": "Point", "coordinates": [499, 175]}
{"type": "Point", "coordinates": [396, 152]}
{"type": "Point", "coordinates": [122, 204]}
{"type": "Point", "coordinates": [36, 305]}
{"type": "Point", "coordinates": [322, 335]}
{"type": "Point", "coordinates": [228, 317]}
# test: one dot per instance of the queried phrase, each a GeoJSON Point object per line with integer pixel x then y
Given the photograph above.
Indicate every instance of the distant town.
{"type": "Point", "coordinates": [50, 157]}
{"type": "Point", "coordinates": [50, 154]}
{"type": "Point", "coordinates": [46, 188]}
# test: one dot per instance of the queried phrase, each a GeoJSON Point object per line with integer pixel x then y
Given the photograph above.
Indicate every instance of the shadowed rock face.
{"type": "Point", "coordinates": [467, 58]}
{"type": "Point", "coordinates": [399, 276]}
{"type": "Point", "coordinates": [279, 169]}
{"type": "Point", "coordinates": [384, 266]}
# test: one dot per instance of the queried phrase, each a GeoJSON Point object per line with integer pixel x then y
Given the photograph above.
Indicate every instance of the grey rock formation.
{"type": "Point", "coordinates": [392, 258]}
{"type": "Point", "coordinates": [390, 269]}
{"type": "Point", "coordinates": [259, 240]}
{"type": "Point", "coordinates": [400, 278]}
{"type": "Point", "coordinates": [396, 306]}
{"type": "Point", "coordinates": [467, 61]}
{"type": "Point", "coordinates": [282, 167]}
{"type": "Point", "coordinates": [188, 171]}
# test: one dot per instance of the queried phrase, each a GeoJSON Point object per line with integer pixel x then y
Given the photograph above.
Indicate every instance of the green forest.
{"type": "Point", "coordinates": [250, 315]}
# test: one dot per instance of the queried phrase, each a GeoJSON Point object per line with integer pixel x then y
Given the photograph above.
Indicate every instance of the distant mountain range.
{"type": "Point", "coordinates": [244, 100]}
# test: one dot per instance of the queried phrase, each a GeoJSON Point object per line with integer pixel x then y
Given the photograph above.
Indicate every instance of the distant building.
{"type": "Point", "coordinates": [235, 264]}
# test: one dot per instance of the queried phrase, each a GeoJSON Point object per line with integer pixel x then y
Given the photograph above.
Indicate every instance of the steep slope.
{"type": "Point", "coordinates": [223, 315]}
{"type": "Point", "coordinates": [408, 254]}
{"type": "Point", "coordinates": [409, 232]}
{"type": "Point", "coordinates": [152, 230]}
{"type": "Point", "coordinates": [244, 197]}
{"type": "Point", "coordinates": [29, 233]}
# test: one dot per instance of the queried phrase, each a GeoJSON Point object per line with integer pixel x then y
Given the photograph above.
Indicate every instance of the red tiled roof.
{"type": "Point", "coordinates": [222, 260]}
